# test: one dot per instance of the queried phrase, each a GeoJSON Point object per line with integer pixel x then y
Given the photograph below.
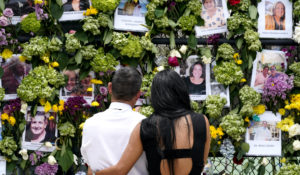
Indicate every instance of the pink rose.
{"type": "Point", "coordinates": [72, 31]}
{"type": "Point", "coordinates": [3, 21]}
{"type": "Point", "coordinates": [173, 61]}
{"type": "Point", "coordinates": [8, 12]}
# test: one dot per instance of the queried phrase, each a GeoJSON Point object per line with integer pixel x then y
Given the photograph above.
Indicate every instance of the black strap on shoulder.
{"type": "Point", "coordinates": [176, 154]}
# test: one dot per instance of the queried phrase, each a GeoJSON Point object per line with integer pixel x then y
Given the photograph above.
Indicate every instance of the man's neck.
{"type": "Point", "coordinates": [40, 137]}
{"type": "Point", "coordinates": [123, 101]}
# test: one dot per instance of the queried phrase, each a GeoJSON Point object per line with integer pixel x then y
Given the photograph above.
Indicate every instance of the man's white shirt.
{"type": "Point", "coordinates": [106, 135]}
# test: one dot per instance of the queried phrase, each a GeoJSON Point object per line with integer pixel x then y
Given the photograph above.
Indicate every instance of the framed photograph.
{"type": "Point", "coordinates": [197, 77]}
{"type": "Point", "coordinates": [20, 8]}
{"type": "Point", "coordinates": [263, 136]}
{"type": "Point", "coordinates": [130, 16]}
{"type": "Point", "coordinates": [268, 64]}
{"type": "Point", "coordinates": [275, 19]}
{"type": "Point", "coordinates": [39, 129]}
{"type": "Point", "coordinates": [215, 14]}
{"type": "Point", "coordinates": [75, 87]}
{"type": "Point", "coordinates": [13, 73]}
{"type": "Point", "coordinates": [218, 88]}
{"type": "Point", "coordinates": [74, 9]}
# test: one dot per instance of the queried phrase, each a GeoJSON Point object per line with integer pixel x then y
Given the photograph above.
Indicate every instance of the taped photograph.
{"type": "Point", "coordinates": [39, 129]}
{"type": "Point", "coordinates": [13, 73]}
{"type": "Point", "coordinates": [74, 9]}
{"type": "Point", "coordinates": [215, 14]}
{"type": "Point", "coordinates": [275, 19]}
{"type": "Point", "coordinates": [130, 16]}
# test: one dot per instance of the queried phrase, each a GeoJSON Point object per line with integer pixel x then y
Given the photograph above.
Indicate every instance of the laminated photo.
{"type": "Point", "coordinates": [130, 16]}
{"type": "Point", "coordinates": [74, 9]}
{"type": "Point", "coordinates": [21, 8]}
{"type": "Point", "coordinates": [275, 19]}
{"type": "Point", "coordinates": [13, 73]}
{"type": "Point", "coordinates": [263, 137]}
{"type": "Point", "coordinates": [268, 64]}
{"type": "Point", "coordinates": [39, 129]}
{"type": "Point", "coordinates": [197, 77]}
{"type": "Point", "coordinates": [76, 87]}
{"type": "Point", "coordinates": [215, 14]}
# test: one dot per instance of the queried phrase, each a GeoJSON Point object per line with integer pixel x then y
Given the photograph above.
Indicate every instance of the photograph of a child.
{"type": "Point", "coordinates": [275, 19]}
{"type": "Point", "coordinates": [215, 14]}
{"type": "Point", "coordinates": [268, 64]}
{"type": "Point", "coordinates": [13, 72]}
{"type": "Point", "coordinates": [76, 87]}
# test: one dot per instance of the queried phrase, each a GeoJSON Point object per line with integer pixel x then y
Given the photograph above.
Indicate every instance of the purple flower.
{"type": "Point", "coordinates": [284, 49]}
{"type": "Point", "coordinates": [292, 47]}
{"type": "Point", "coordinates": [213, 39]}
{"type": "Point", "coordinates": [288, 54]}
{"type": "Point", "coordinates": [46, 169]}
{"type": "Point", "coordinates": [74, 104]}
{"type": "Point", "coordinates": [171, 5]}
{"type": "Point", "coordinates": [8, 35]}
{"type": "Point", "coordinates": [3, 21]}
{"type": "Point", "coordinates": [8, 12]}
{"type": "Point", "coordinates": [31, 33]}
{"type": "Point", "coordinates": [101, 74]}
{"type": "Point", "coordinates": [103, 90]}
{"type": "Point", "coordinates": [12, 106]}
{"type": "Point", "coordinates": [173, 61]}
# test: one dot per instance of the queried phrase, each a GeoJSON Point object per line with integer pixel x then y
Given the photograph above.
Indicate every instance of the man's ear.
{"type": "Point", "coordinates": [109, 88]}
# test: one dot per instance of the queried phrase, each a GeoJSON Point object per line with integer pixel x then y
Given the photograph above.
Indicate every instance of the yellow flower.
{"type": "Point", "coordinates": [283, 160]}
{"type": "Point", "coordinates": [6, 54]}
{"type": "Point", "coordinates": [243, 80]}
{"type": "Point", "coordinates": [95, 81]}
{"type": "Point", "coordinates": [286, 102]}
{"type": "Point", "coordinates": [147, 34]}
{"type": "Point", "coordinates": [135, 1]}
{"type": "Point", "coordinates": [38, 1]}
{"type": "Point", "coordinates": [89, 89]}
{"type": "Point", "coordinates": [247, 119]}
{"type": "Point", "coordinates": [219, 142]}
{"type": "Point", "coordinates": [94, 11]}
{"type": "Point", "coordinates": [85, 116]}
{"type": "Point", "coordinates": [54, 64]}
{"type": "Point", "coordinates": [42, 101]}
{"type": "Point", "coordinates": [4, 116]}
{"type": "Point", "coordinates": [22, 58]}
{"type": "Point", "coordinates": [55, 108]}
{"type": "Point", "coordinates": [45, 59]}
{"type": "Point", "coordinates": [259, 109]}
{"type": "Point", "coordinates": [61, 102]}
{"type": "Point", "coordinates": [51, 118]}
{"type": "Point", "coordinates": [236, 55]}
{"type": "Point", "coordinates": [133, 109]}
{"type": "Point", "coordinates": [239, 62]}
{"type": "Point", "coordinates": [281, 111]}
{"type": "Point", "coordinates": [273, 84]}
{"type": "Point", "coordinates": [288, 107]}
{"type": "Point", "coordinates": [47, 106]}
{"type": "Point", "coordinates": [88, 12]}
{"type": "Point", "coordinates": [12, 120]}
{"type": "Point", "coordinates": [95, 103]}
{"type": "Point", "coordinates": [286, 123]}
{"type": "Point", "coordinates": [81, 126]}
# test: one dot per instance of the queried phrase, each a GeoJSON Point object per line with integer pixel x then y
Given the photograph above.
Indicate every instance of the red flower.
{"type": "Point", "coordinates": [173, 61]}
{"type": "Point", "coordinates": [238, 162]}
{"type": "Point", "coordinates": [234, 2]}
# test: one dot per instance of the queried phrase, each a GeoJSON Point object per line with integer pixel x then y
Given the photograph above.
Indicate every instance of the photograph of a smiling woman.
{"type": "Point", "coordinates": [275, 17]}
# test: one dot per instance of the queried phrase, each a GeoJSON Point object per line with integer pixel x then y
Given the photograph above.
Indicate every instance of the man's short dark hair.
{"type": "Point", "coordinates": [126, 83]}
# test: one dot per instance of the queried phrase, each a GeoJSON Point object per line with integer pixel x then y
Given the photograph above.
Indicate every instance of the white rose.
{"type": "Point", "coordinates": [265, 161]}
{"type": "Point", "coordinates": [296, 145]}
{"type": "Point", "coordinates": [23, 107]}
{"type": "Point", "coordinates": [206, 60]}
{"type": "Point", "coordinates": [296, 35]}
{"type": "Point", "coordinates": [294, 130]}
{"type": "Point", "coordinates": [175, 53]}
{"type": "Point", "coordinates": [160, 68]}
{"type": "Point", "coordinates": [51, 160]}
{"type": "Point", "coordinates": [48, 144]}
{"type": "Point", "coordinates": [75, 159]}
{"type": "Point", "coordinates": [23, 153]}
{"type": "Point", "coordinates": [183, 49]}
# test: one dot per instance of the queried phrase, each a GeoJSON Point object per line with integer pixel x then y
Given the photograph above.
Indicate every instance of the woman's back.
{"type": "Point", "coordinates": [188, 149]}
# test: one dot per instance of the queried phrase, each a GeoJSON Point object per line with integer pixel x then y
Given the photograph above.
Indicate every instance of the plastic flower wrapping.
{"type": "Point", "coordinates": [277, 88]}
{"type": "Point", "coordinates": [289, 169]}
{"type": "Point", "coordinates": [67, 129]}
{"type": "Point", "coordinates": [252, 39]}
{"type": "Point", "coordinates": [233, 125]}
{"type": "Point", "coordinates": [146, 110]}
{"type": "Point", "coordinates": [225, 51]}
{"type": "Point", "coordinates": [88, 52]}
{"type": "Point", "coordinates": [214, 105]}
{"type": "Point", "coordinates": [249, 96]}
{"type": "Point", "coordinates": [227, 149]}
{"type": "Point", "coordinates": [55, 44]}
{"type": "Point", "coordinates": [103, 62]}
{"type": "Point", "coordinates": [72, 43]}
{"type": "Point", "coordinates": [228, 72]}
{"type": "Point", "coordinates": [187, 23]}
{"type": "Point", "coordinates": [92, 25]}
{"type": "Point", "coordinates": [105, 5]}
{"type": "Point", "coordinates": [30, 23]}
{"type": "Point", "coordinates": [40, 83]}
{"type": "Point", "coordinates": [37, 46]}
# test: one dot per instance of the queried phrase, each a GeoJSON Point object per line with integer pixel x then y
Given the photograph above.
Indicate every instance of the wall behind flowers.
{"type": "Point", "coordinates": [57, 62]}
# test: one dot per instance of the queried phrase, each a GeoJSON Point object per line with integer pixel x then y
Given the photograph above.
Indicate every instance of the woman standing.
{"type": "Point", "coordinates": [277, 20]}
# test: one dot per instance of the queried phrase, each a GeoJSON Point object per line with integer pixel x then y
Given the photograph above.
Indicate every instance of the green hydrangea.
{"type": "Point", "coordinates": [195, 107]}
{"type": "Point", "coordinates": [227, 73]}
{"type": "Point", "coordinates": [297, 81]}
{"type": "Point", "coordinates": [55, 44]}
{"type": "Point", "coordinates": [92, 25]}
{"type": "Point", "coordinates": [243, 5]}
{"type": "Point", "coordinates": [2, 93]}
{"type": "Point", "coordinates": [214, 105]}
{"type": "Point", "coordinates": [195, 6]}
{"type": "Point", "coordinates": [72, 43]}
{"type": "Point", "coordinates": [151, 11]}
{"type": "Point", "coordinates": [146, 43]}
{"type": "Point", "coordinates": [119, 40]}
{"type": "Point", "coordinates": [237, 20]}
{"type": "Point", "coordinates": [30, 23]}
{"type": "Point", "coordinates": [247, 110]}
{"type": "Point", "coordinates": [252, 39]}
{"type": "Point", "coordinates": [133, 47]}
{"type": "Point", "coordinates": [249, 96]}
{"type": "Point", "coordinates": [67, 129]}
{"type": "Point", "coordinates": [159, 2]}
{"type": "Point", "coordinates": [162, 23]}
{"type": "Point", "coordinates": [104, 20]}
{"type": "Point", "coordinates": [37, 83]}
{"type": "Point", "coordinates": [8, 146]}
{"type": "Point", "coordinates": [88, 52]}
{"type": "Point", "coordinates": [296, 10]}
{"type": "Point", "coordinates": [146, 110]}
{"type": "Point", "coordinates": [105, 5]}
{"type": "Point", "coordinates": [104, 63]}
{"type": "Point", "coordinates": [289, 169]}
{"type": "Point", "coordinates": [295, 67]}
{"type": "Point", "coordinates": [225, 51]}
{"type": "Point", "coordinates": [37, 46]}
{"type": "Point", "coordinates": [187, 23]}
{"type": "Point", "coordinates": [146, 84]}
{"type": "Point", "coordinates": [233, 125]}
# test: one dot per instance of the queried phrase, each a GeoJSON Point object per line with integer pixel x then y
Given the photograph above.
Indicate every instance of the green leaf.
{"type": "Point", "coordinates": [82, 36]}
{"type": "Point", "coordinates": [234, 111]}
{"type": "Point", "coordinates": [83, 74]}
{"type": "Point", "coordinates": [172, 23]}
{"type": "Point", "coordinates": [107, 38]}
{"type": "Point", "coordinates": [200, 21]}
{"type": "Point", "coordinates": [59, 2]}
{"type": "Point", "coordinates": [240, 154]}
{"type": "Point", "coordinates": [34, 109]}
{"type": "Point", "coordinates": [252, 12]}
{"type": "Point", "coordinates": [55, 10]}
{"type": "Point", "coordinates": [110, 24]}
{"type": "Point", "coordinates": [172, 40]}
{"type": "Point", "coordinates": [78, 57]}
{"type": "Point", "coordinates": [239, 43]}
{"type": "Point", "coordinates": [245, 147]}
{"type": "Point", "coordinates": [261, 170]}
{"type": "Point", "coordinates": [192, 41]}
{"type": "Point", "coordinates": [2, 5]}
{"type": "Point", "coordinates": [21, 127]}
{"type": "Point", "coordinates": [1, 72]}
{"type": "Point", "coordinates": [66, 160]}
{"type": "Point", "coordinates": [63, 149]}
{"type": "Point", "coordinates": [62, 60]}
{"type": "Point", "coordinates": [23, 164]}
{"type": "Point", "coordinates": [159, 12]}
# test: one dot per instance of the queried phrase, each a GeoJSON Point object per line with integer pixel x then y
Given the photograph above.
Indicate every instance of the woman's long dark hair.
{"type": "Point", "coordinates": [170, 100]}
{"type": "Point", "coordinates": [279, 2]}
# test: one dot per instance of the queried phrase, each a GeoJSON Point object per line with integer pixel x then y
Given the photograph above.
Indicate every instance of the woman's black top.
{"type": "Point", "coordinates": [195, 89]}
{"type": "Point", "coordinates": [278, 26]}
{"type": "Point", "coordinates": [154, 154]}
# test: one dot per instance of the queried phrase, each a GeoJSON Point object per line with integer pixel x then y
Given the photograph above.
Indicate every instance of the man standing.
{"type": "Point", "coordinates": [106, 134]}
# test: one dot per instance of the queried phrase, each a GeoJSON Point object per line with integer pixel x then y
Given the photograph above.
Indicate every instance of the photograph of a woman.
{"type": "Point", "coordinates": [213, 14]}
{"type": "Point", "coordinates": [276, 21]}
{"type": "Point", "coordinates": [76, 5]}
{"type": "Point", "coordinates": [196, 80]}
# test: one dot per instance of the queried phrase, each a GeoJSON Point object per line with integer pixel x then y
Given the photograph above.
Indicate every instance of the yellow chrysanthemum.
{"type": "Point", "coordinates": [95, 103]}
{"type": "Point", "coordinates": [55, 108]}
{"type": "Point", "coordinates": [239, 62]}
{"type": "Point", "coordinates": [95, 81]}
{"type": "Point", "coordinates": [281, 111]}
{"type": "Point", "coordinates": [6, 54]}
{"type": "Point", "coordinates": [89, 89]}
{"type": "Point", "coordinates": [42, 101]}
{"type": "Point", "coordinates": [247, 119]}
{"type": "Point", "coordinates": [85, 116]}
{"type": "Point", "coordinates": [243, 80]}
{"type": "Point", "coordinates": [236, 55]}
{"type": "Point", "coordinates": [12, 120]}
{"type": "Point", "coordinates": [259, 109]}
{"type": "Point", "coordinates": [4, 116]}
{"type": "Point", "coordinates": [54, 64]}
{"type": "Point", "coordinates": [61, 102]}
{"type": "Point", "coordinates": [47, 106]}
{"type": "Point", "coordinates": [147, 34]}
{"type": "Point", "coordinates": [38, 1]}
{"type": "Point", "coordinates": [22, 58]}
{"type": "Point", "coordinates": [219, 142]}
{"type": "Point", "coordinates": [285, 124]}
{"type": "Point", "coordinates": [283, 160]}
{"type": "Point", "coordinates": [81, 126]}
{"type": "Point", "coordinates": [51, 117]}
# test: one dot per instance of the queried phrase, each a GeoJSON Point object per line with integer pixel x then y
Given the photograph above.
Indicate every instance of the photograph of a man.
{"type": "Point", "coordinates": [275, 20]}
{"type": "Point", "coordinates": [261, 132]}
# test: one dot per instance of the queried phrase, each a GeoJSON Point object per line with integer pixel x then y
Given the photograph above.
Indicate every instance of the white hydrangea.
{"type": "Point", "coordinates": [296, 145]}
{"type": "Point", "coordinates": [296, 35]}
